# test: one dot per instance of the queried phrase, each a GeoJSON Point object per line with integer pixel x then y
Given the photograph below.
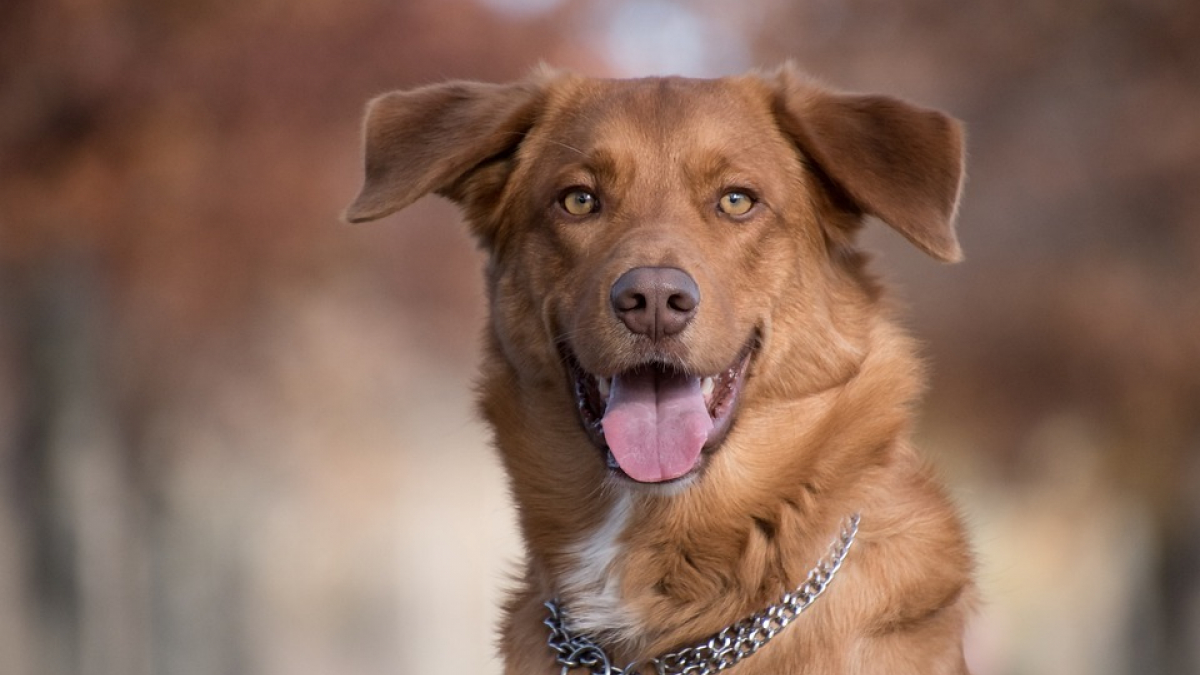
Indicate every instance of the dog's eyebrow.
{"type": "Point", "coordinates": [717, 168]}
{"type": "Point", "coordinates": [726, 165]}
{"type": "Point", "coordinates": [710, 167]}
{"type": "Point", "coordinates": [601, 164]}
{"type": "Point", "coordinates": [604, 164]}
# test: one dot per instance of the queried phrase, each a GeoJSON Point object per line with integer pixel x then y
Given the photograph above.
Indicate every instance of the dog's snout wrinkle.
{"type": "Point", "coordinates": [655, 301]}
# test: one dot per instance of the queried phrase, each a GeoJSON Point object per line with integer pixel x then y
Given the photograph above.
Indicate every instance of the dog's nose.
{"type": "Point", "coordinates": [655, 301]}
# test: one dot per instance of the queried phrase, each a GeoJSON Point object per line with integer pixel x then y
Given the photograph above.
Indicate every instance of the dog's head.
{"type": "Point", "coordinates": [658, 247]}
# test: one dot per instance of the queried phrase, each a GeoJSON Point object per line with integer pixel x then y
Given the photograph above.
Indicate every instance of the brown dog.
{"type": "Point", "coordinates": [692, 380]}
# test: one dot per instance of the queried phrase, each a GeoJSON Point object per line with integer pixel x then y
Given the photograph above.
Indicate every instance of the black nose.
{"type": "Point", "coordinates": [655, 301]}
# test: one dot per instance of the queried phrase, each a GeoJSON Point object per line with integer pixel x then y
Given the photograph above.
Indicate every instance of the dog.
{"type": "Point", "coordinates": [693, 383]}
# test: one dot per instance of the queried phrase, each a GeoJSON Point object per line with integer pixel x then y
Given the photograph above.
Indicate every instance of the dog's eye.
{"type": "Point", "coordinates": [735, 203]}
{"type": "Point", "coordinates": [579, 202]}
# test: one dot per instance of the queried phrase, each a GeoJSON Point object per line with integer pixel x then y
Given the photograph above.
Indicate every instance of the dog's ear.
{"type": "Point", "coordinates": [890, 159]}
{"type": "Point", "coordinates": [434, 138]}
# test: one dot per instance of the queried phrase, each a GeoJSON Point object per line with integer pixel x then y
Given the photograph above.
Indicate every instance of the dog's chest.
{"type": "Point", "coordinates": [591, 587]}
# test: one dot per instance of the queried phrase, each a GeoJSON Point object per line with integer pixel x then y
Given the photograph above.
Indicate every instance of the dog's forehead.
{"type": "Point", "coordinates": [658, 111]}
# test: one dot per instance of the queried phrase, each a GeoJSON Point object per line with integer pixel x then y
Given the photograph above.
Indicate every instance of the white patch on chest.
{"type": "Point", "coordinates": [592, 584]}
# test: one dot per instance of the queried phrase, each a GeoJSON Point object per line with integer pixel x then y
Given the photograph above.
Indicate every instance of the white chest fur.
{"type": "Point", "coordinates": [592, 585]}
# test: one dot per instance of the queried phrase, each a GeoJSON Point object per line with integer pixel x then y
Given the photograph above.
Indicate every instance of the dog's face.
{"type": "Point", "coordinates": [660, 243]}
{"type": "Point", "coordinates": [657, 245]}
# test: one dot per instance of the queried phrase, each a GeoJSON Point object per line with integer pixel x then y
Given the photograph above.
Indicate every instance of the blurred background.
{"type": "Point", "coordinates": [237, 436]}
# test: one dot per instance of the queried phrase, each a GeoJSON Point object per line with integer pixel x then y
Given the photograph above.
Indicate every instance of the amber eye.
{"type": "Point", "coordinates": [735, 203]}
{"type": "Point", "coordinates": [579, 202]}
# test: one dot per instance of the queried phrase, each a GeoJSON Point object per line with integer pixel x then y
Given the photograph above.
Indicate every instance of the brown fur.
{"type": "Point", "coordinates": [821, 428]}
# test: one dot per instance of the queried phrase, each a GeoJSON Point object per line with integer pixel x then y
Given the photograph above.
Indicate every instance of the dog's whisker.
{"type": "Point", "coordinates": [525, 134]}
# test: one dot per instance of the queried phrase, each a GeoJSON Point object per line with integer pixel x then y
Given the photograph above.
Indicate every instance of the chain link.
{"type": "Point", "coordinates": [722, 650]}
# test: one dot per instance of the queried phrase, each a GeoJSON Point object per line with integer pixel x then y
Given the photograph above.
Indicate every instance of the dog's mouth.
{"type": "Point", "coordinates": [655, 422]}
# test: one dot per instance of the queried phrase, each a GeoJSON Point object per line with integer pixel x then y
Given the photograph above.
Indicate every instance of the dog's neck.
{"type": "Point", "coordinates": [725, 648]}
{"type": "Point", "coordinates": [636, 587]}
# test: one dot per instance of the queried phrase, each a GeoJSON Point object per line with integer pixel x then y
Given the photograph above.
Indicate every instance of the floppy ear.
{"type": "Point", "coordinates": [891, 159]}
{"type": "Point", "coordinates": [430, 140]}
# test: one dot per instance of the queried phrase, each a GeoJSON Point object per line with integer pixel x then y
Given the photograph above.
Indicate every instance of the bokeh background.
{"type": "Point", "coordinates": [237, 437]}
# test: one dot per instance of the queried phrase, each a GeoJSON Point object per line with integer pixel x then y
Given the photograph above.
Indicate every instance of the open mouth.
{"type": "Point", "coordinates": [655, 422]}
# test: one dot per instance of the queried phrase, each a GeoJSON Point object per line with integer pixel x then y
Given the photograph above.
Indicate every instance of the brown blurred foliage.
{"type": "Point", "coordinates": [221, 410]}
{"type": "Point", "coordinates": [1081, 224]}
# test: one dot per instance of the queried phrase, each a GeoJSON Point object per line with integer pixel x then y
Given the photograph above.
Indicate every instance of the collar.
{"type": "Point", "coordinates": [722, 650]}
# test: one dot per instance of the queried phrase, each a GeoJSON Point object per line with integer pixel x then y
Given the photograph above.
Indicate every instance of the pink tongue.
{"type": "Point", "coordinates": [655, 424]}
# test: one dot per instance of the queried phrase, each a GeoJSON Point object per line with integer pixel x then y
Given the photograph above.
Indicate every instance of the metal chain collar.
{"type": "Point", "coordinates": [722, 650]}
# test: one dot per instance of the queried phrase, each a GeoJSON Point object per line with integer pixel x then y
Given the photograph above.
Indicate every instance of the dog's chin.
{"type": "Point", "coordinates": [721, 391]}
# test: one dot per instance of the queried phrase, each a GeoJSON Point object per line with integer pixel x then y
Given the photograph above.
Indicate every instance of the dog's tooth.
{"type": "Point", "coordinates": [602, 384]}
{"type": "Point", "coordinates": [706, 386]}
